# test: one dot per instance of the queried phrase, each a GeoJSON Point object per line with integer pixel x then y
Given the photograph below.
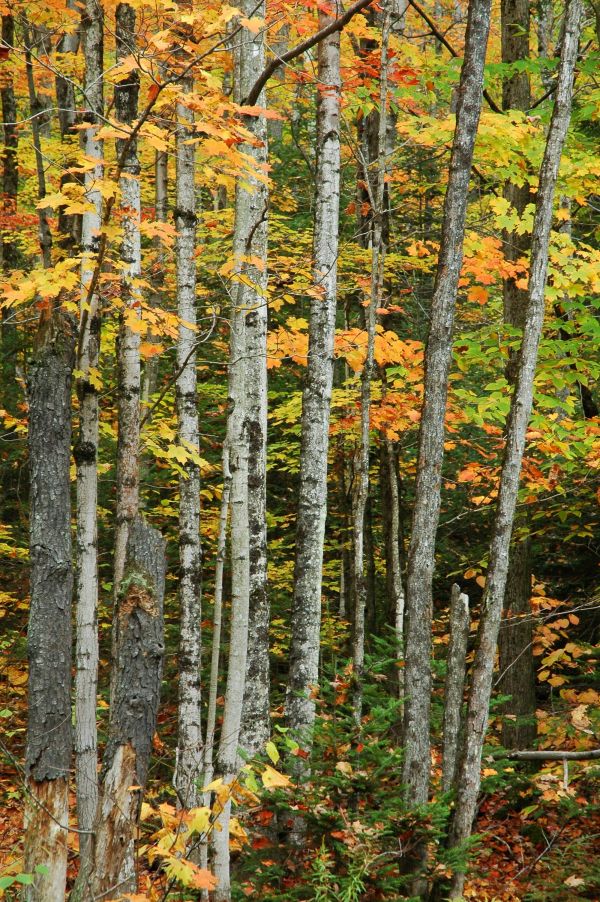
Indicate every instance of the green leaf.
{"type": "Point", "coordinates": [271, 750]}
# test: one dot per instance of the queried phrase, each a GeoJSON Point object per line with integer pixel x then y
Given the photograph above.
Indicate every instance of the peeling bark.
{"type": "Point", "coordinates": [134, 708]}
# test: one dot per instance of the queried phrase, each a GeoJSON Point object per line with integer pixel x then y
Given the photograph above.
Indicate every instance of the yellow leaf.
{"type": "Point", "coordinates": [272, 778]}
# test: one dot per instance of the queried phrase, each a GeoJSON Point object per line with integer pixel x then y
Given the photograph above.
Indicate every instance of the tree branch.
{"type": "Point", "coordinates": [443, 40]}
{"type": "Point", "coordinates": [301, 48]}
{"type": "Point", "coordinates": [545, 755]}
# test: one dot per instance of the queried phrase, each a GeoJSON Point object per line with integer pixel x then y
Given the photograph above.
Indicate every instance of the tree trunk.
{"type": "Point", "coordinates": [246, 428]}
{"type": "Point", "coordinates": [438, 357]}
{"type": "Point", "coordinates": [48, 756]}
{"type": "Point", "coordinates": [481, 684]}
{"type": "Point", "coordinates": [390, 502]}
{"type": "Point", "coordinates": [251, 219]}
{"type": "Point", "coordinates": [126, 107]}
{"type": "Point", "coordinates": [316, 402]}
{"type": "Point", "coordinates": [376, 189]}
{"type": "Point", "coordinates": [134, 707]}
{"type": "Point", "coordinates": [86, 451]}
{"type": "Point", "coordinates": [45, 236]}
{"type": "Point", "coordinates": [8, 246]}
{"type": "Point", "coordinates": [189, 747]}
{"type": "Point", "coordinates": [454, 688]}
{"type": "Point", "coordinates": [516, 659]}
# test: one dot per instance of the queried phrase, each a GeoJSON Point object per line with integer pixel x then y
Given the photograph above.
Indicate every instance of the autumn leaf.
{"type": "Point", "coordinates": [272, 779]}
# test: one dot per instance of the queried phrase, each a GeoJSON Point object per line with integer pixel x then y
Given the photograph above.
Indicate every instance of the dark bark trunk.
{"type": "Point", "coordinates": [134, 707]}
{"type": "Point", "coordinates": [515, 643]}
{"type": "Point", "coordinates": [49, 740]}
{"type": "Point", "coordinates": [516, 660]}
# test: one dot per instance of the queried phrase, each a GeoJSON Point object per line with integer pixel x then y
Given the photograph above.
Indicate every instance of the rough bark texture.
{"type": "Point", "coordinates": [86, 451]}
{"type": "Point", "coordinates": [316, 402]}
{"type": "Point", "coordinates": [246, 429]}
{"type": "Point", "coordinates": [252, 216]}
{"type": "Point", "coordinates": [390, 502]}
{"type": "Point", "coordinates": [481, 684]}
{"type": "Point", "coordinates": [438, 357]}
{"type": "Point", "coordinates": [374, 160]}
{"type": "Point", "coordinates": [454, 688]}
{"type": "Point", "coordinates": [515, 647]}
{"type": "Point", "coordinates": [134, 707]}
{"type": "Point", "coordinates": [189, 745]}
{"type": "Point", "coordinates": [49, 740]}
{"type": "Point", "coordinates": [515, 658]}
{"type": "Point", "coordinates": [129, 374]}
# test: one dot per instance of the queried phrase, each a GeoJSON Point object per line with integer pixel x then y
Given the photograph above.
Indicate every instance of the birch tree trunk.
{"type": "Point", "coordinates": [189, 747]}
{"type": "Point", "coordinates": [251, 219]}
{"type": "Point", "coordinates": [134, 707]}
{"type": "Point", "coordinates": [316, 401]}
{"type": "Point", "coordinates": [128, 354]}
{"type": "Point", "coordinates": [49, 739]}
{"type": "Point", "coordinates": [481, 683]}
{"type": "Point", "coordinates": [421, 558]}
{"type": "Point", "coordinates": [515, 646]}
{"type": "Point", "coordinates": [246, 428]}
{"type": "Point", "coordinates": [390, 502]}
{"type": "Point", "coordinates": [85, 451]}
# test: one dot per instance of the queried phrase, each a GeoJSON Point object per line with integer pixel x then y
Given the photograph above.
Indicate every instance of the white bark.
{"type": "Point", "coordinates": [129, 372]}
{"type": "Point", "coordinates": [86, 451]}
{"type": "Point", "coordinates": [481, 683]}
{"type": "Point", "coordinates": [316, 401]}
{"type": "Point", "coordinates": [246, 429]}
{"type": "Point", "coordinates": [256, 724]}
{"type": "Point", "coordinates": [189, 747]}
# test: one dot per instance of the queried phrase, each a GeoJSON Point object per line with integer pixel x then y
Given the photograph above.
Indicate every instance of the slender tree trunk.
{"type": "Point", "coordinates": [161, 206]}
{"type": "Point", "coordinates": [134, 708]}
{"type": "Point", "coordinates": [49, 740]}
{"type": "Point", "coordinates": [481, 683]}
{"type": "Point", "coordinates": [189, 747]}
{"type": "Point", "coordinates": [86, 452]}
{"type": "Point", "coordinates": [8, 247]}
{"type": "Point", "coordinates": [45, 236]}
{"type": "Point", "coordinates": [390, 501]}
{"type": "Point", "coordinates": [316, 402]}
{"type": "Point", "coordinates": [515, 645]}
{"type": "Point", "coordinates": [375, 182]}
{"type": "Point", "coordinates": [211, 717]}
{"type": "Point", "coordinates": [69, 226]}
{"type": "Point", "coordinates": [245, 430]}
{"type": "Point", "coordinates": [456, 667]}
{"type": "Point", "coordinates": [253, 213]}
{"type": "Point", "coordinates": [438, 357]}
{"type": "Point", "coordinates": [128, 363]}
